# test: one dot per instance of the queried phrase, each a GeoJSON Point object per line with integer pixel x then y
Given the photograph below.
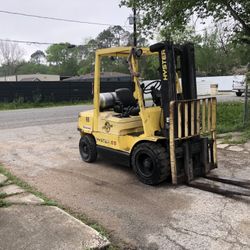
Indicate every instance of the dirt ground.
{"type": "Point", "coordinates": [137, 216]}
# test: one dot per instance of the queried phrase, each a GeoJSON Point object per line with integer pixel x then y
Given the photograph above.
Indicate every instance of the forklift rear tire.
{"type": "Point", "coordinates": [87, 148]}
{"type": "Point", "coordinates": [150, 163]}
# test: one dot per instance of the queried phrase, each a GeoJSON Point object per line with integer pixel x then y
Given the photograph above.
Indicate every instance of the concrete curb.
{"type": "Point", "coordinates": [45, 227]}
{"type": "Point", "coordinates": [29, 224]}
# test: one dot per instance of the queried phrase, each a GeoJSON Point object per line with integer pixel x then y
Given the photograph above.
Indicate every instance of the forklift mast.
{"type": "Point", "coordinates": [187, 120]}
{"type": "Point", "coordinates": [172, 59]}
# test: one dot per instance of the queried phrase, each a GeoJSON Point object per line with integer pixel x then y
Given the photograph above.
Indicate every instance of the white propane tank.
{"type": "Point", "coordinates": [107, 100]}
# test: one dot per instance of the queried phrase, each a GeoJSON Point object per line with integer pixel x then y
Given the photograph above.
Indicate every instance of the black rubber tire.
{"type": "Point", "coordinates": [239, 93]}
{"type": "Point", "coordinates": [150, 163]}
{"type": "Point", "coordinates": [87, 148]}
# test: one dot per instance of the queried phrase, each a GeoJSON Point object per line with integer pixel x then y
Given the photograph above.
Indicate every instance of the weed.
{"type": "Point", "coordinates": [26, 186]}
{"type": "Point", "coordinates": [4, 203]}
{"type": "Point", "coordinates": [3, 195]}
{"type": "Point", "coordinates": [112, 247]}
{"type": "Point", "coordinates": [99, 229]}
{"type": "Point", "coordinates": [82, 217]}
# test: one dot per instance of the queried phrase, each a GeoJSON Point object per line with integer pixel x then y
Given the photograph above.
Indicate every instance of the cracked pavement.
{"type": "Point", "coordinates": [137, 216]}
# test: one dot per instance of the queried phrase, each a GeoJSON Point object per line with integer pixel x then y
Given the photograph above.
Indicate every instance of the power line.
{"type": "Point", "coordinates": [25, 42]}
{"type": "Point", "coordinates": [57, 18]}
{"type": "Point", "coordinates": [43, 43]}
{"type": "Point", "coordinates": [34, 42]}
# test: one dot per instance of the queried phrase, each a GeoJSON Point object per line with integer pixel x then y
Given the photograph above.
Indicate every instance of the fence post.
{"type": "Point", "coordinates": [246, 115]}
{"type": "Point", "coordinates": [246, 106]}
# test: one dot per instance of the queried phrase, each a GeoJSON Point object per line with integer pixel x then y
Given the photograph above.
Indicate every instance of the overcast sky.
{"type": "Point", "coordinates": [32, 29]}
{"type": "Point", "coordinates": [16, 27]}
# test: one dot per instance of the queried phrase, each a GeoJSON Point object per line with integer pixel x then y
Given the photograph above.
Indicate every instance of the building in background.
{"type": "Point", "coordinates": [105, 76]}
{"type": "Point", "coordinates": [30, 77]}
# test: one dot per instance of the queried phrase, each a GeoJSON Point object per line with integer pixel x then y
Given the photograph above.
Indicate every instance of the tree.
{"type": "Point", "coordinates": [218, 56]}
{"type": "Point", "coordinates": [10, 56]}
{"type": "Point", "coordinates": [180, 37]}
{"type": "Point", "coordinates": [32, 68]}
{"type": "Point", "coordinates": [121, 36]}
{"type": "Point", "coordinates": [63, 58]}
{"type": "Point", "coordinates": [58, 54]}
{"type": "Point", "coordinates": [113, 36]}
{"type": "Point", "coordinates": [37, 57]}
{"type": "Point", "coordinates": [177, 14]}
{"type": "Point", "coordinates": [106, 39]}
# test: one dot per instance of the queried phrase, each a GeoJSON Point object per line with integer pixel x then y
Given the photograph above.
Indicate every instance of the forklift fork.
{"type": "Point", "coordinates": [188, 161]}
{"type": "Point", "coordinates": [222, 186]}
{"type": "Point", "coordinates": [184, 136]}
{"type": "Point", "coordinates": [189, 129]}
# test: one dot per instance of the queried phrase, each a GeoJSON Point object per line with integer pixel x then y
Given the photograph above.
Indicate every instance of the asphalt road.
{"type": "Point", "coordinates": [40, 116]}
{"type": "Point", "coordinates": [229, 97]}
{"type": "Point", "coordinates": [55, 115]}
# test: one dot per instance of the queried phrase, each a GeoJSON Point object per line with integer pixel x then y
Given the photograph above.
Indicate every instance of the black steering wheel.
{"type": "Point", "coordinates": [147, 89]}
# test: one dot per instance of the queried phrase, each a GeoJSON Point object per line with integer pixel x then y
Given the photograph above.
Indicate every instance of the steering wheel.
{"type": "Point", "coordinates": [147, 89]}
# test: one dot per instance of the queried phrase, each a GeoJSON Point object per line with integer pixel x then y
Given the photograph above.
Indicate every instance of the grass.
{"type": "Point", "coordinates": [3, 195]}
{"type": "Point", "coordinates": [27, 105]}
{"type": "Point", "coordinates": [26, 186]}
{"type": "Point", "coordinates": [4, 203]}
{"type": "Point", "coordinates": [230, 119]}
{"type": "Point", "coordinates": [100, 229]}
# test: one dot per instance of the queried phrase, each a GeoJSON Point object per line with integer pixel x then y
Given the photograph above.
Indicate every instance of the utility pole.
{"type": "Point", "coordinates": [135, 34]}
{"type": "Point", "coordinates": [132, 21]}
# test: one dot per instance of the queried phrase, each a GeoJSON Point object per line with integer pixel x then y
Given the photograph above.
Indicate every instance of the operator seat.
{"type": "Point", "coordinates": [126, 104]}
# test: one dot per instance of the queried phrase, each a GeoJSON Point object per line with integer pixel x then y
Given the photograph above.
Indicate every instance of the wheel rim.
{"type": "Point", "coordinates": [85, 150]}
{"type": "Point", "coordinates": [145, 165]}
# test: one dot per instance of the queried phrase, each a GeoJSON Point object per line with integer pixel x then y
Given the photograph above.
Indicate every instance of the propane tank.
{"type": "Point", "coordinates": [107, 100]}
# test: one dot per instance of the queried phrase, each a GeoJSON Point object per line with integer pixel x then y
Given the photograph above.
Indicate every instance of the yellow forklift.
{"type": "Point", "coordinates": [172, 138]}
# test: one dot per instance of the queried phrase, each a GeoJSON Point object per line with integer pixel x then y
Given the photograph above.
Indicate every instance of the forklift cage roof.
{"type": "Point", "coordinates": [122, 52]}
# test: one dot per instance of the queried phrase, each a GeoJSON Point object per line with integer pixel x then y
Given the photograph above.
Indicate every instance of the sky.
{"type": "Point", "coordinates": [25, 28]}
{"type": "Point", "coordinates": [16, 27]}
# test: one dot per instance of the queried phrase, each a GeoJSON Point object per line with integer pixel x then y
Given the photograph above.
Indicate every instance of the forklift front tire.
{"type": "Point", "coordinates": [150, 163]}
{"type": "Point", "coordinates": [87, 148]}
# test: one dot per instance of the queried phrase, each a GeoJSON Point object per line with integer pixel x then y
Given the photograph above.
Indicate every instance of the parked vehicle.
{"type": "Point", "coordinates": [239, 87]}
